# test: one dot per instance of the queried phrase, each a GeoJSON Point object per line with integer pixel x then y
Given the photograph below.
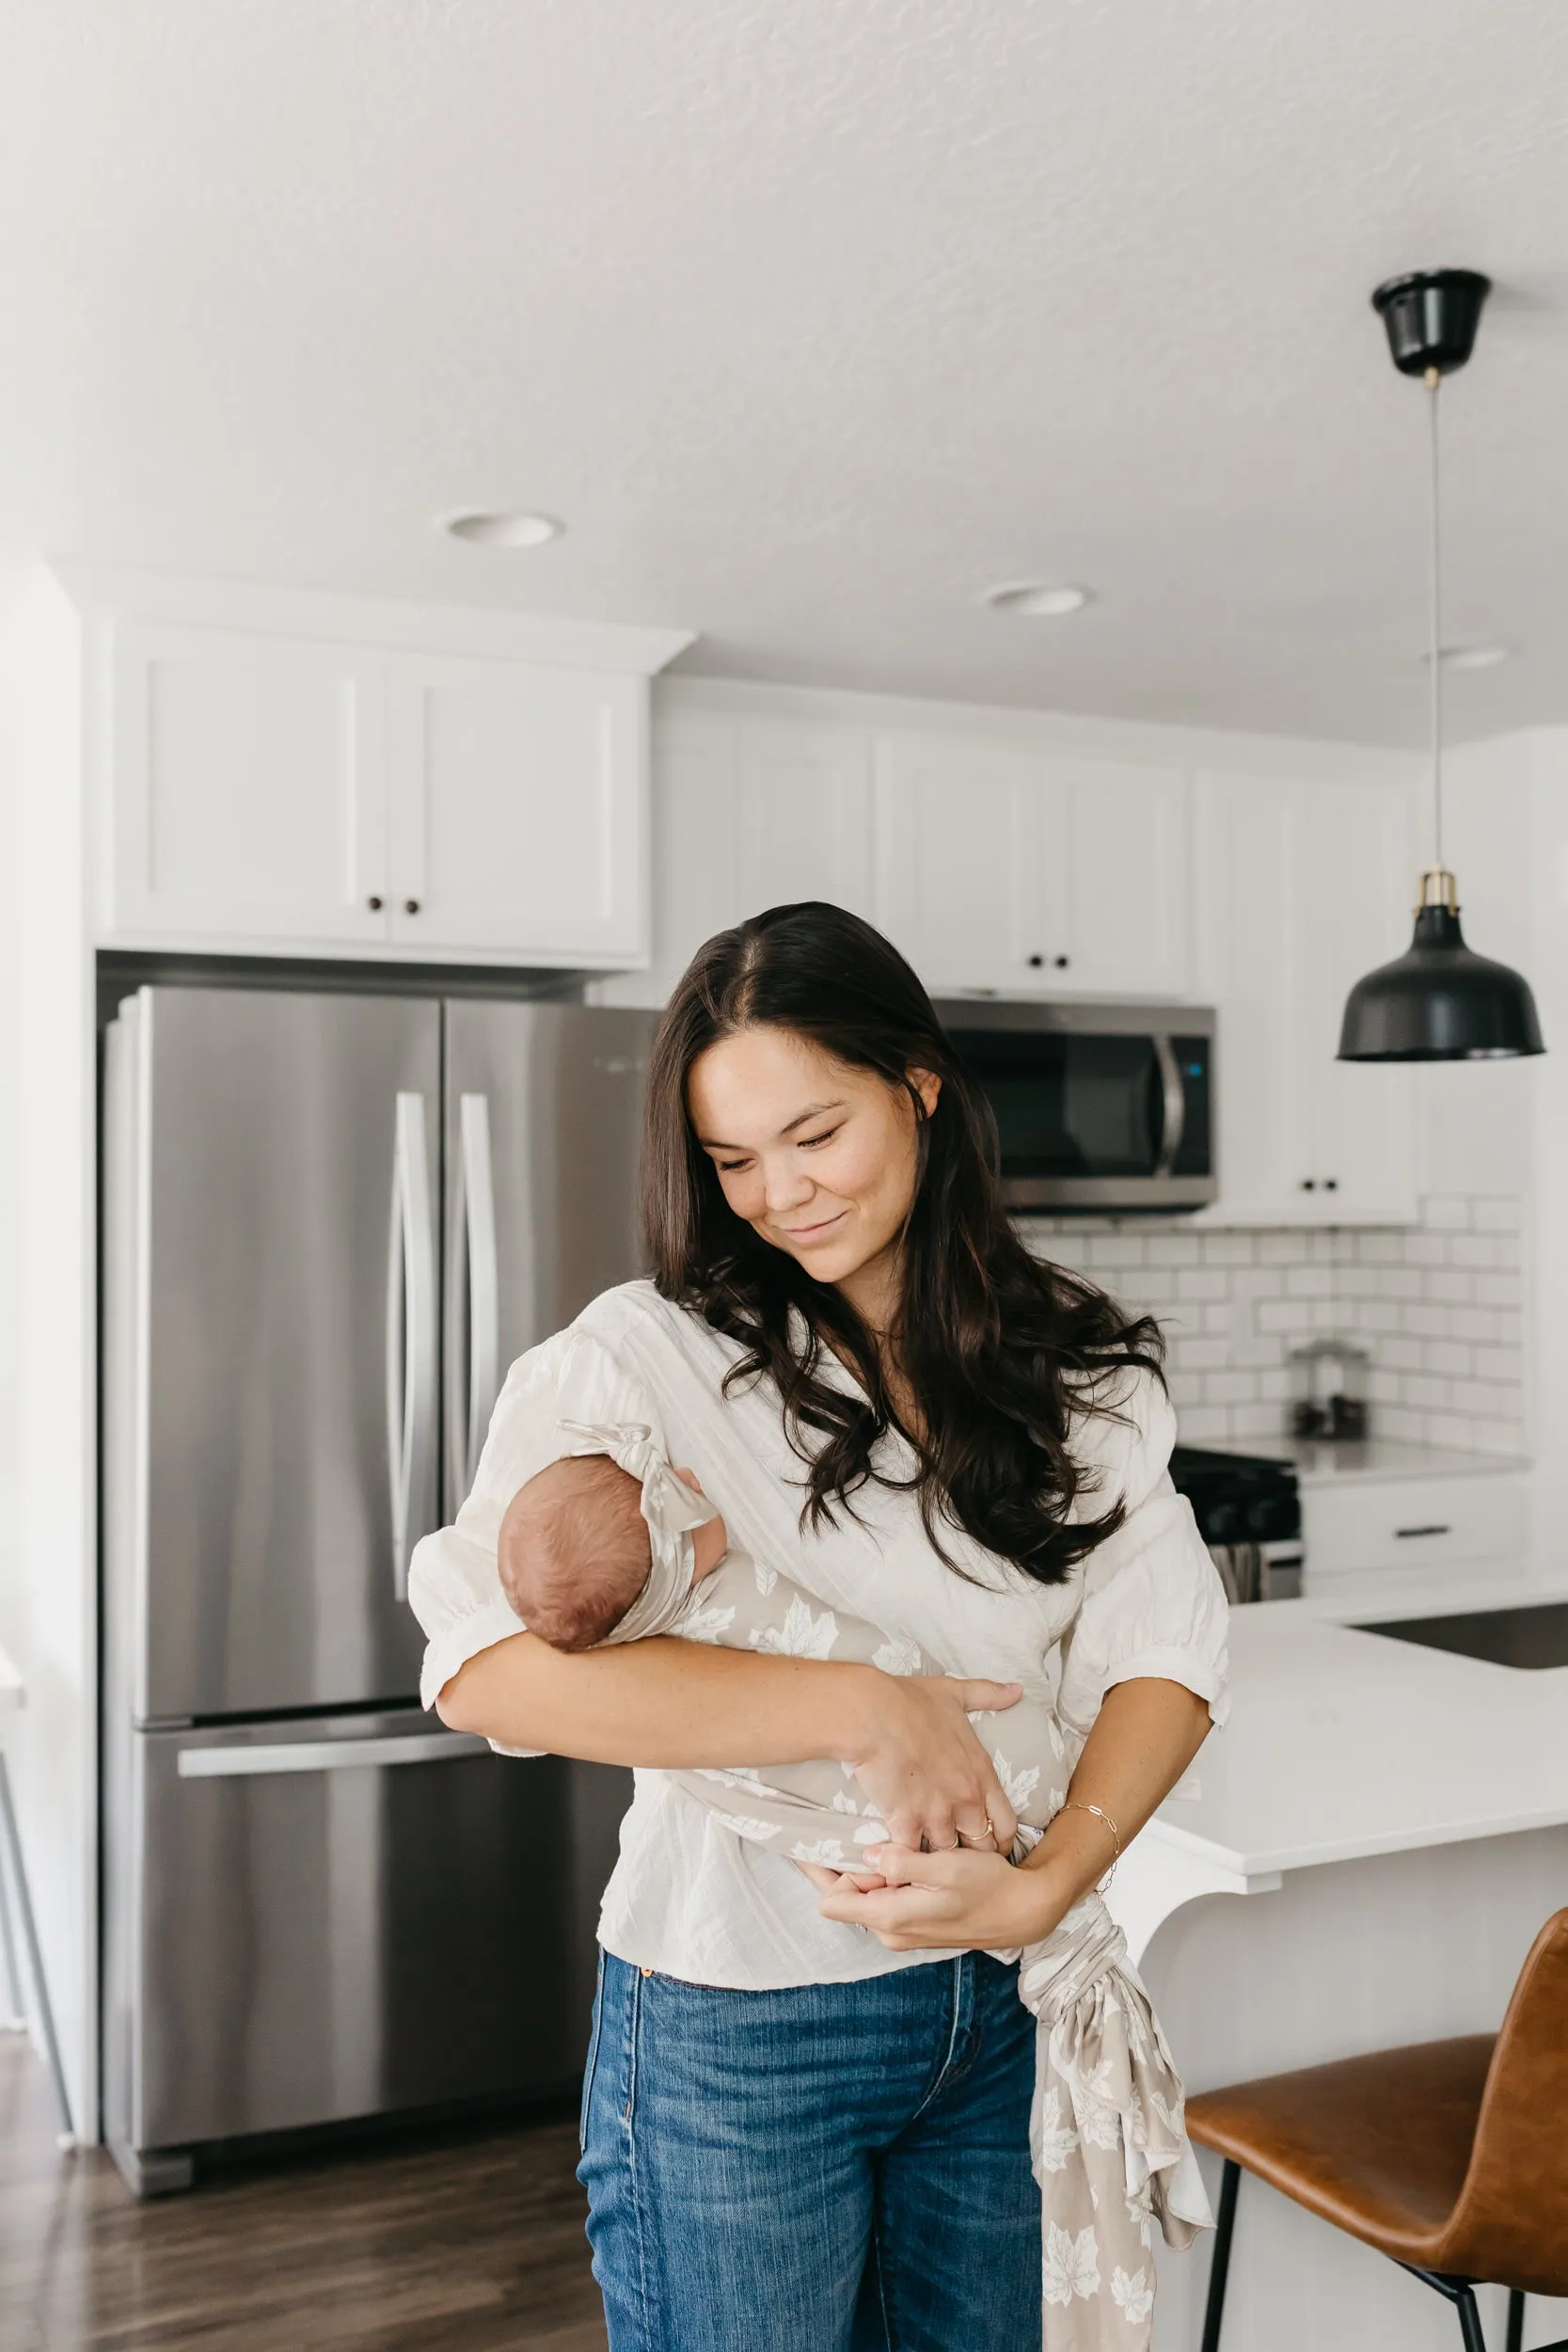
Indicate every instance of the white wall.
{"type": "Point", "coordinates": [1545, 751]}
{"type": "Point", "coordinates": [48, 1606]}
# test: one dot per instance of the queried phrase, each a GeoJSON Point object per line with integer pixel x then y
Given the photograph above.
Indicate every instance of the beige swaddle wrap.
{"type": "Point", "coordinates": [1107, 2132]}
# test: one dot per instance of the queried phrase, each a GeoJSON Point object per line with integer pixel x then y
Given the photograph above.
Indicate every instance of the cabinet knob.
{"type": "Point", "coordinates": [1331, 1183]}
{"type": "Point", "coordinates": [1034, 962]}
{"type": "Point", "coordinates": [410, 906]}
{"type": "Point", "coordinates": [1062, 962]}
{"type": "Point", "coordinates": [375, 903]}
{"type": "Point", "coordinates": [1309, 1183]}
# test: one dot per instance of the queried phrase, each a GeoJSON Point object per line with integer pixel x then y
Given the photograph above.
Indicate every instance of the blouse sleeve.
{"type": "Point", "coordinates": [1152, 1602]}
{"type": "Point", "coordinates": [453, 1580]}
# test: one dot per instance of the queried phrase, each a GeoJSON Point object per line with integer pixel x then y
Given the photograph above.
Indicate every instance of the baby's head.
{"type": "Point", "coordinates": [574, 1551]}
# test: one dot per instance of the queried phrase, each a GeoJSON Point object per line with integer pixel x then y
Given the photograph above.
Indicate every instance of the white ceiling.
{"type": "Point", "coordinates": [813, 318]}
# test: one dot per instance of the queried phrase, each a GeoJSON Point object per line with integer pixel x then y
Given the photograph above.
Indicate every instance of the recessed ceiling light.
{"type": "Point", "coordinates": [1037, 600]}
{"type": "Point", "coordinates": [514, 529]}
{"type": "Point", "coordinates": [1471, 656]}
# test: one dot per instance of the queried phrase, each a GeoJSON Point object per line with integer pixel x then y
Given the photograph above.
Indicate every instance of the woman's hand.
{"type": "Point", "coordinates": [915, 1755]}
{"type": "Point", "coordinates": [961, 1901]}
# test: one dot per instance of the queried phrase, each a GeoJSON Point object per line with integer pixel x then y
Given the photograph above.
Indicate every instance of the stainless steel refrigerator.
{"type": "Point", "coordinates": [331, 1221]}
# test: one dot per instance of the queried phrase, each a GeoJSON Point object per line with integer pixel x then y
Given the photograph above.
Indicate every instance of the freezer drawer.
{"type": "Point", "coordinates": [347, 1916]}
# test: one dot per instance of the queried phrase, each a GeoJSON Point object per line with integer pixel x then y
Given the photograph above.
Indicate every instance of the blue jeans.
{"type": "Point", "coordinates": [835, 2167]}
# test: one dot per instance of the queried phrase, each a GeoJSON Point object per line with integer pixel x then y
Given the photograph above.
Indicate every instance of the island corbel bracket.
{"type": "Point", "coordinates": [1156, 1878]}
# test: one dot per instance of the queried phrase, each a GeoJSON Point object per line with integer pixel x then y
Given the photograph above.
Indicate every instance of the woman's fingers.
{"type": "Point", "coordinates": [982, 1698]}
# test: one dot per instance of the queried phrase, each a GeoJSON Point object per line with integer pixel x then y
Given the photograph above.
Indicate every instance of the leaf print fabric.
{"type": "Point", "coordinates": [1072, 2264]}
{"type": "Point", "coordinates": [1107, 2134]}
{"type": "Point", "coordinates": [899, 1658]}
{"type": "Point", "coordinates": [801, 1634]}
{"type": "Point", "coordinates": [1133, 2296]}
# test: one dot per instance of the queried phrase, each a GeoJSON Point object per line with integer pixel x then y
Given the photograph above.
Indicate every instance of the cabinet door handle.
{"type": "Point", "coordinates": [1331, 1183]}
{"type": "Point", "coordinates": [410, 906]}
{"type": "Point", "coordinates": [1309, 1183]}
{"type": "Point", "coordinates": [375, 903]}
{"type": "Point", "coordinates": [1405, 1532]}
{"type": "Point", "coordinates": [1034, 962]}
{"type": "Point", "coordinates": [1062, 962]}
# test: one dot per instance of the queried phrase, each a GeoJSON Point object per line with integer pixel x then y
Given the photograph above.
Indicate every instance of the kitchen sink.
{"type": "Point", "coordinates": [1536, 1636]}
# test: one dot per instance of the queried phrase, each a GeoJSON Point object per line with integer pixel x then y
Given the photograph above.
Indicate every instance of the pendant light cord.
{"type": "Point", "coordinates": [1433, 381]}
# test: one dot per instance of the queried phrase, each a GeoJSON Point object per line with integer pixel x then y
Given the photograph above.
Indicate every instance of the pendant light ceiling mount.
{"type": "Point", "coordinates": [1437, 1002]}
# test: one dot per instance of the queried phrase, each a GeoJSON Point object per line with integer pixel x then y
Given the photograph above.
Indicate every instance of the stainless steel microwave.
{"type": "Point", "coordinates": [1100, 1108]}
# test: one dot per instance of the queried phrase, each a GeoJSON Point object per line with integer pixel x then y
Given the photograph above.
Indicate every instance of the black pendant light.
{"type": "Point", "coordinates": [1437, 1002]}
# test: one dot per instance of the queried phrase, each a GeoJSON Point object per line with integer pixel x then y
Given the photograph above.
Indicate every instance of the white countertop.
{"type": "Point", "coordinates": [1321, 1463]}
{"type": "Point", "coordinates": [1342, 1744]}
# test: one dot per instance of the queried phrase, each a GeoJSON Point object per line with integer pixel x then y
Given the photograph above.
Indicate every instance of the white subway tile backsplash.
{"type": "Point", "coordinates": [1204, 1424]}
{"type": "Point", "coordinates": [1173, 1249]}
{"type": "Point", "coordinates": [1437, 1309]}
{"type": "Point", "coordinates": [1229, 1248]}
{"type": "Point", "coordinates": [1447, 1213]}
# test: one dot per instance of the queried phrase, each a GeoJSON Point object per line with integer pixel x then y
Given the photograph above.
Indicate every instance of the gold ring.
{"type": "Point", "coordinates": [990, 1832]}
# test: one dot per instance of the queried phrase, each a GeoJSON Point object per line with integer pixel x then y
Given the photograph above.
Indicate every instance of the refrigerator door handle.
{"type": "Point", "coordinates": [469, 1418]}
{"type": "Point", "coordinates": [411, 1338]}
{"type": "Point", "coordinates": [328, 1755]}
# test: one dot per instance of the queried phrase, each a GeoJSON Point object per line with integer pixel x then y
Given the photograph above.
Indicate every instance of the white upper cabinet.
{"type": "Point", "coordinates": [247, 788]}
{"type": "Point", "coordinates": [1124, 890]}
{"type": "Point", "coordinates": [1003, 868]}
{"type": "Point", "coordinates": [1365, 908]}
{"type": "Point", "coordinates": [380, 789]}
{"type": "Point", "coordinates": [1302, 887]}
{"type": "Point", "coordinates": [960, 882]}
{"type": "Point", "coordinates": [517, 819]}
{"type": "Point", "coordinates": [747, 814]}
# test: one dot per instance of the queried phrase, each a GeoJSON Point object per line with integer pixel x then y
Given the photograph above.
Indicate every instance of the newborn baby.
{"type": "Point", "coordinates": [660, 1563]}
{"type": "Point", "coordinates": [587, 1508]}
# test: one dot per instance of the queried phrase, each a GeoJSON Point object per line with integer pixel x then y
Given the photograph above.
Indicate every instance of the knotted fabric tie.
{"type": "Point", "coordinates": [1107, 2134]}
{"type": "Point", "coordinates": [671, 1509]}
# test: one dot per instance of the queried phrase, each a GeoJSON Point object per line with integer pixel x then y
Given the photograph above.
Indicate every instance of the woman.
{"type": "Point", "coordinates": [805, 2114]}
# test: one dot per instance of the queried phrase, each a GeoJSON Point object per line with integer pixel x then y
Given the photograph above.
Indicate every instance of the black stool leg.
{"type": "Point", "coordinates": [1516, 2339]}
{"type": "Point", "coordinates": [1220, 2263]}
{"type": "Point", "coordinates": [1469, 2321]}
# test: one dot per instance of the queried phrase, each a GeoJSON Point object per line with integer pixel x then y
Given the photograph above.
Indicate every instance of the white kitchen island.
{"type": "Point", "coordinates": [1375, 1840]}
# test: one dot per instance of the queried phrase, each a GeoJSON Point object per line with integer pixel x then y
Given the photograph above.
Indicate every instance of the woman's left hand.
{"type": "Point", "coordinates": [962, 1901]}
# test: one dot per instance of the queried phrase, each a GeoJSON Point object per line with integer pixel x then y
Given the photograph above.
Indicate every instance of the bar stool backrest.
{"type": "Point", "coordinates": [1510, 2223]}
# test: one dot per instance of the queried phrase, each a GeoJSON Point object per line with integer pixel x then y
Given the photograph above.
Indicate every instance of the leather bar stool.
{"type": "Point", "coordinates": [1451, 2157]}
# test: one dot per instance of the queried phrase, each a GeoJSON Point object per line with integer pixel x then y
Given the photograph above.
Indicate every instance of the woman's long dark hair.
{"type": "Point", "coordinates": [1001, 1351]}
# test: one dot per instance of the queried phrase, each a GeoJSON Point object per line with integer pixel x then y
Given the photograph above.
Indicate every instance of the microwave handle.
{"type": "Point", "coordinates": [1173, 1105]}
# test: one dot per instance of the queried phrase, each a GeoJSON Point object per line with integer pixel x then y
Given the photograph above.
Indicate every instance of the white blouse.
{"type": "Point", "coordinates": [688, 1896]}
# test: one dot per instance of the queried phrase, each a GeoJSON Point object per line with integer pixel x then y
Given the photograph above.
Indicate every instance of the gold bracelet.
{"type": "Point", "coordinates": [1100, 1813]}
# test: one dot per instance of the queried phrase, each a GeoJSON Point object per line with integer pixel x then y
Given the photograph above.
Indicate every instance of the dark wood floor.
{"type": "Point", "coordinates": [472, 2246]}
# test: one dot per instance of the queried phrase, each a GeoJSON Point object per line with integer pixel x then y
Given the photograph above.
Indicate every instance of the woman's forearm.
{"type": "Point", "coordinates": [662, 1703]}
{"type": "Point", "coordinates": [1145, 1735]}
